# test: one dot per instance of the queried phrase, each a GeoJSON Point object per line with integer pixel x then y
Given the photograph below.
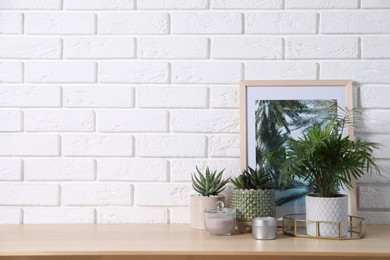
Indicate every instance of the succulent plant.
{"type": "Point", "coordinates": [253, 180]}
{"type": "Point", "coordinates": [209, 183]}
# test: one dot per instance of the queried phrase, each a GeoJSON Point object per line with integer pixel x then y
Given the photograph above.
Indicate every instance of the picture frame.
{"type": "Point", "coordinates": [316, 94]}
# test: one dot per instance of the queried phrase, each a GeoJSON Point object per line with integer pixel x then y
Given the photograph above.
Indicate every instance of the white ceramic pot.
{"type": "Point", "coordinates": [197, 206]}
{"type": "Point", "coordinates": [333, 209]}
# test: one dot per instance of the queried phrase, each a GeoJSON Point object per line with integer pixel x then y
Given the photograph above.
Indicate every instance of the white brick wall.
{"type": "Point", "coordinates": [171, 4]}
{"type": "Point", "coordinates": [205, 121]}
{"type": "Point", "coordinates": [30, 48]}
{"type": "Point", "coordinates": [162, 194]}
{"type": "Point", "coordinates": [171, 146]}
{"type": "Point", "coordinates": [361, 71]}
{"type": "Point", "coordinates": [60, 23]}
{"type": "Point", "coordinates": [281, 23]}
{"type": "Point", "coordinates": [375, 4]}
{"type": "Point", "coordinates": [133, 121]}
{"type": "Point", "coordinates": [181, 170]}
{"type": "Point", "coordinates": [224, 97]}
{"type": "Point", "coordinates": [321, 4]}
{"type": "Point", "coordinates": [96, 194]}
{"type": "Point", "coordinates": [374, 197]}
{"type": "Point", "coordinates": [349, 22]}
{"type": "Point", "coordinates": [11, 72]}
{"type": "Point", "coordinates": [107, 96]}
{"type": "Point", "coordinates": [10, 215]}
{"type": "Point", "coordinates": [374, 96]}
{"type": "Point", "coordinates": [246, 4]}
{"type": "Point", "coordinates": [11, 169]}
{"type": "Point", "coordinates": [206, 72]}
{"type": "Point", "coordinates": [322, 47]}
{"type": "Point", "coordinates": [31, 4]}
{"type": "Point", "coordinates": [133, 72]}
{"type": "Point", "coordinates": [99, 5]}
{"type": "Point", "coordinates": [60, 72]}
{"type": "Point", "coordinates": [172, 97]}
{"type": "Point", "coordinates": [59, 121]}
{"type": "Point", "coordinates": [132, 170]}
{"type": "Point", "coordinates": [173, 48]}
{"type": "Point", "coordinates": [99, 47]}
{"type": "Point", "coordinates": [30, 96]}
{"type": "Point", "coordinates": [23, 194]}
{"type": "Point", "coordinates": [281, 70]}
{"type": "Point", "coordinates": [11, 23]}
{"type": "Point", "coordinates": [375, 47]}
{"type": "Point", "coordinates": [29, 145]}
{"type": "Point", "coordinates": [107, 106]}
{"type": "Point", "coordinates": [131, 215]}
{"type": "Point", "coordinates": [97, 145]}
{"type": "Point", "coordinates": [11, 121]}
{"type": "Point", "coordinates": [206, 23]}
{"type": "Point", "coordinates": [58, 215]}
{"type": "Point", "coordinates": [249, 48]}
{"type": "Point", "coordinates": [59, 169]}
{"type": "Point", "coordinates": [133, 23]}
{"type": "Point", "coordinates": [224, 146]}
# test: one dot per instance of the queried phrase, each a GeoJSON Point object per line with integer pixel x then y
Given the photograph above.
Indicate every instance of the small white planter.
{"type": "Point", "coordinates": [197, 206]}
{"type": "Point", "coordinates": [329, 210]}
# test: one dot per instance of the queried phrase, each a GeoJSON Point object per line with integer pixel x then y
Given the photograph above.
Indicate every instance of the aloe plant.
{"type": "Point", "coordinates": [253, 179]}
{"type": "Point", "coordinates": [210, 183]}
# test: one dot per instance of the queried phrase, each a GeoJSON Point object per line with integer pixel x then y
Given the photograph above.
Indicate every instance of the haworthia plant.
{"type": "Point", "coordinates": [210, 183]}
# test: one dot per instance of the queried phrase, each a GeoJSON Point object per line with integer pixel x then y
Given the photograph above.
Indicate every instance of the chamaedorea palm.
{"type": "Point", "coordinates": [328, 160]}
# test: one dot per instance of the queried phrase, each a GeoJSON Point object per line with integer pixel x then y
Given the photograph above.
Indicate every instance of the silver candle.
{"type": "Point", "coordinates": [264, 228]}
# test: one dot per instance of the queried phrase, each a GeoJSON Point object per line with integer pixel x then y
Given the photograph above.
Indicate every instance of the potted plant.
{"type": "Point", "coordinates": [208, 186]}
{"type": "Point", "coordinates": [252, 197]}
{"type": "Point", "coordinates": [328, 161]}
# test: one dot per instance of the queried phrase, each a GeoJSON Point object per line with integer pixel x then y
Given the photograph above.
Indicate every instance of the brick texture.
{"type": "Point", "coordinates": [133, 23]}
{"type": "Point", "coordinates": [60, 72]}
{"type": "Point", "coordinates": [60, 23]}
{"type": "Point", "coordinates": [30, 48]}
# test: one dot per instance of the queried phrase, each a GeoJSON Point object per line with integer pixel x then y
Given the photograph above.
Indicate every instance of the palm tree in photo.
{"type": "Point", "coordinates": [276, 121]}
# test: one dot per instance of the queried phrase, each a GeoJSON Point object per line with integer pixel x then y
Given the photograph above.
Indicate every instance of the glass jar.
{"type": "Point", "coordinates": [220, 221]}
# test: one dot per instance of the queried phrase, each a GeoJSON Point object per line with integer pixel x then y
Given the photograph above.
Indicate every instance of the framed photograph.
{"type": "Point", "coordinates": [274, 110]}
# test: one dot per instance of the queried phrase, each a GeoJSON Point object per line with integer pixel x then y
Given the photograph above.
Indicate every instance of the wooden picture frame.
{"type": "Point", "coordinates": [253, 91]}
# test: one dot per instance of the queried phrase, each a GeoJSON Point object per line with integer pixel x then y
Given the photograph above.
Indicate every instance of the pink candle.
{"type": "Point", "coordinates": [220, 226]}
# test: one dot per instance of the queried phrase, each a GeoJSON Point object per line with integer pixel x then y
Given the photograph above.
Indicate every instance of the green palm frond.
{"type": "Point", "coordinates": [327, 159]}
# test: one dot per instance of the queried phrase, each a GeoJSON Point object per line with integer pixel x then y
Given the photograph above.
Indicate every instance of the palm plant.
{"type": "Point", "coordinates": [326, 159]}
{"type": "Point", "coordinates": [210, 183]}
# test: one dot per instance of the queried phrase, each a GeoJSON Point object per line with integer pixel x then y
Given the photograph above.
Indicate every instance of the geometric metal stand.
{"type": "Point", "coordinates": [295, 225]}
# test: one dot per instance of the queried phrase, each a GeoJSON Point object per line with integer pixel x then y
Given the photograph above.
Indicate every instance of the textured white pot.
{"type": "Point", "coordinates": [197, 206]}
{"type": "Point", "coordinates": [327, 209]}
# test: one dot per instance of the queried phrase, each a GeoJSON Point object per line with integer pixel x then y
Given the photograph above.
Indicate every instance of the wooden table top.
{"type": "Point", "coordinates": [174, 240]}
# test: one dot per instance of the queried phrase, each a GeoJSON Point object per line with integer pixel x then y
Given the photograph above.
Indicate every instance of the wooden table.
{"type": "Point", "coordinates": [175, 241]}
